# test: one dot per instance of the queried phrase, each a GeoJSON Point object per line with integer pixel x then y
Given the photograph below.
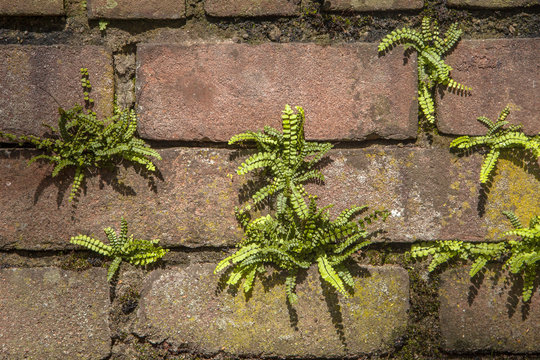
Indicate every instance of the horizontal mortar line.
{"type": "Point", "coordinates": [164, 145]}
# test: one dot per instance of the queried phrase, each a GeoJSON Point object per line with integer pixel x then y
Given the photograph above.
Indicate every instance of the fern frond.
{"type": "Point", "coordinates": [426, 103]}
{"type": "Point", "coordinates": [92, 244]}
{"type": "Point", "coordinates": [250, 279]}
{"type": "Point", "coordinates": [77, 181]}
{"type": "Point", "coordinates": [431, 67]}
{"type": "Point", "coordinates": [329, 274]}
{"type": "Point", "coordinates": [478, 265]}
{"type": "Point", "coordinates": [134, 251]}
{"type": "Point", "coordinates": [290, 287]}
{"type": "Point", "coordinates": [88, 142]}
{"type": "Point", "coordinates": [488, 165]}
{"type": "Point", "coordinates": [113, 268]}
{"type": "Point", "coordinates": [513, 219]}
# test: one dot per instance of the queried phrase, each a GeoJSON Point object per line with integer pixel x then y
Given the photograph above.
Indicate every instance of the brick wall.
{"type": "Point", "coordinates": [199, 71]}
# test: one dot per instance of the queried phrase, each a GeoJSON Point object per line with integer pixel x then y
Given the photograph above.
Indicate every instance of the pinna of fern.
{"type": "Point", "coordinates": [289, 159]}
{"type": "Point", "coordinates": [497, 139]}
{"type": "Point", "coordinates": [522, 256]}
{"type": "Point", "coordinates": [432, 70]}
{"type": "Point", "coordinates": [292, 243]}
{"type": "Point", "coordinates": [82, 141]}
{"type": "Point", "coordinates": [122, 247]}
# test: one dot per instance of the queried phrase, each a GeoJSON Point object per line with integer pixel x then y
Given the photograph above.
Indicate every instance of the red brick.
{"type": "Point", "coordinates": [137, 9]}
{"type": "Point", "coordinates": [432, 195]}
{"type": "Point", "coordinates": [492, 4]}
{"type": "Point", "coordinates": [372, 5]}
{"type": "Point", "coordinates": [182, 306]}
{"type": "Point", "coordinates": [487, 316]}
{"type": "Point", "coordinates": [48, 313]}
{"type": "Point", "coordinates": [250, 8]}
{"type": "Point", "coordinates": [501, 72]}
{"type": "Point", "coordinates": [36, 80]}
{"type": "Point", "coordinates": [32, 8]}
{"type": "Point", "coordinates": [211, 92]}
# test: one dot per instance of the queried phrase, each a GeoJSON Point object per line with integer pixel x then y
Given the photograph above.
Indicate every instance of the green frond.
{"type": "Point", "coordinates": [453, 34]}
{"type": "Point", "coordinates": [92, 244]}
{"type": "Point", "coordinates": [113, 268]}
{"type": "Point", "coordinates": [345, 275]}
{"type": "Point", "coordinates": [290, 287]}
{"type": "Point", "coordinates": [88, 142]}
{"type": "Point", "coordinates": [250, 279]}
{"type": "Point", "coordinates": [61, 165]}
{"type": "Point", "coordinates": [52, 159]}
{"type": "Point", "coordinates": [113, 239]}
{"type": "Point", "coordinates": [529, 275]}
{"type": "Point", "coordinates": [77, 181]}
{"type": "Point", "coordinates": [238, 256]}
{"type": "Point", "coordinates": [488, 165]}
{"type": "Point", "coordinates": [122, 247]}
{"type": "Point", "coordinates": [256, 161]}
{"type": "Point", "coordinates": [504, 114]}
{"type": "Point", "coordinates": [478, 265]}
{"type": "Point", "coordinates": [329, 275]}
{"type": "Point", "coordinates": [426, 104]}
{"type": "Point", "coordinates": [513, 219]}
{"type": "Point", "coordinates": [402, 36]}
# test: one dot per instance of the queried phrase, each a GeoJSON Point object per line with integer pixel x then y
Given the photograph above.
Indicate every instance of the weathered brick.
{"type": "Point", "coordinates": [192, 206]}
{"type": "Point", "coordinates": [48, 313]}
{"type": "Point", "coordinates": [211, 92]}
{"type": "Point", "coordinates": [431, 193]}
{"type": "Point", "coordinates": [136, 9]}
{"type": "Point", "coordinates": [488, 316]}
{"type": "Point", "coordinates": [501, 72]}
{"type": "Point", "coordinates": [32, 8]}
{"type": "Point", "coordinates": [492, 4]}
{"type": "Point", "coordinates": [250, 8]}
{"type": "Point", "coordinates": [372, 5]}
{"type": "Point", "coordinates": [36, 80]}
{"type": "Point", "coordinates": [182, 307]}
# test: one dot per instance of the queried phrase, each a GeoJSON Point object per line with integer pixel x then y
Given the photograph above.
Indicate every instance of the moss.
{"type": "Point", "coordinates": [423, 340]}
{"type": "Point", "coordinates": [76, 262]}
{"type": "Point", "coordinates": [513, 188]}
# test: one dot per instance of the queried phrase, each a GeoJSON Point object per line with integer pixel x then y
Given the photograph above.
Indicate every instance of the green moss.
{"type": "Point", "coordinates": [75, 261]}
{"type": "Point", "coordinates": [512, 189]}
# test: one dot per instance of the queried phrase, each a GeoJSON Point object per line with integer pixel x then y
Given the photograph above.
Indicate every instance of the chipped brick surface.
{"type": "Point", "coordinates": [487, 315]}
{"type": "Point", "coordinates": [211, 92]}
{"type": "Point", "coordinates": [372, 5]}
{"type": "Point", "coordinates": [48, 313]}
{"type": "Point", "coordinates": [36, 80]}
{"type": "Point", "coordinates": [250, 8]}
{"type": "Point", "coordinates": [136, 9]}
{"type": "Point", "coordinates": [32, 7]}
{"type": "Point", "coordinates": [184, 307]}
{"type": "Point", "coordinates": [492, 4]}
{"type": "Point", "coordinates": [502, 72]}
{"type": "Point", "coordinates": [193, 203]}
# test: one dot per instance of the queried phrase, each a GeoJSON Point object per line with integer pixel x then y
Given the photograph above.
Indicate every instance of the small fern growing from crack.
{"type": "Point", "coordinates": [292, 243]}
{"type": "Point", "coordinates": [122, 247]}
{"type": "Point", "coordinates": [497, 139]}
{"type": "Point", "coordinates": [432, 70]}
{"type": "Point", "coordinates": [299, 234]}
{"type": "Point", "coordinates": [289, 159]}
{"type": "Point", "coordinates": [85, 142]}
{"type": "Point", "coordinates": [522, 256]}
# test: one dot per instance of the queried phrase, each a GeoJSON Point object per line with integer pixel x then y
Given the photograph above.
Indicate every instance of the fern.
{"type": "Point", "coordinates": [85, 142]}
{"type": "Point", "coordinates": [432, 70]}
{"type": "Point", "coordinates": [122, 247]}
{"type": "Point", "coordinates": [498, 139]}
{"type": "Point", "coordinates": [522, 256]}
{"type": "Point", "coordinates": [287, 157]}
